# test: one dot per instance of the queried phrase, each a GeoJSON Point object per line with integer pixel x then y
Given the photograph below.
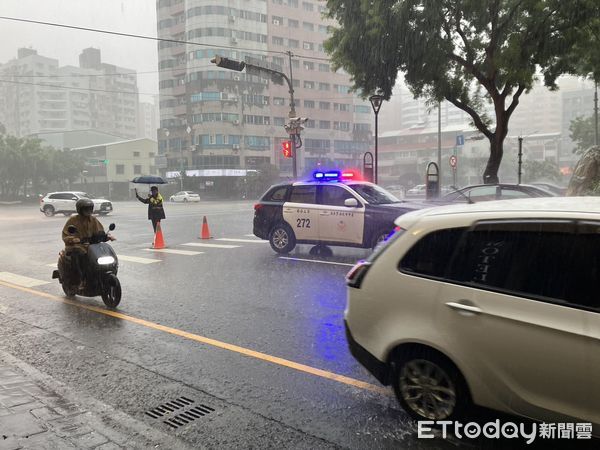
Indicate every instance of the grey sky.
{"type": "Point", "coordinates": [129, 16]}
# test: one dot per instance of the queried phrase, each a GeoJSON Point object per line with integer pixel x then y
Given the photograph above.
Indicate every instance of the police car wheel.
{"type": "Point", "coordinates": [282, 239]}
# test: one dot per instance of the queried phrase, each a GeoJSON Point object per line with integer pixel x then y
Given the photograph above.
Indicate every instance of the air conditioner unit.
{"type": "Point", "coordinates": [276, 22]}
{"type": "Point", "coordinates": [265, 101]}
{"type": "Point", "coordinates": [236, 77]}
{"type": "Point", "coordinates": [236, 146]}
{"type": "Point", "coordinates": [236, 122]}
{"type": "Point", "coordinates": [233, 41]}
{"type": "Point", "coordinates": [232, 19]}
{"type": "Point", "coordinates": [224, 96]}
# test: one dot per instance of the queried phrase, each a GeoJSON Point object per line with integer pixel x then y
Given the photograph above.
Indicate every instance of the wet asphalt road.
{"type": "Point", "coordinates": [245, 296]}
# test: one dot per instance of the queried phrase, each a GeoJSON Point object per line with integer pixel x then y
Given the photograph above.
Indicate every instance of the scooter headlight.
{"type": "Point", "coordinates": [104, 260]}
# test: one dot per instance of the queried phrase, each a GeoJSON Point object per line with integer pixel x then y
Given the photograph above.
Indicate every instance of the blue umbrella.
{"type": "Point", "coordinates": [148, 179]}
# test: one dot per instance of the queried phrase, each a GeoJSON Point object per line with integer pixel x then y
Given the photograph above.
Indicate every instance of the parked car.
{"type": "Point", "coordinates": [185, 196]}
{"type": "Point", "coordinates": [417, 191]}
{"type": "Point", "coordinates": [551, 187]}
{"type": "Point", "coordinates": [494, 304]}
{"type": "Point", "coordinates": [484, 192]}
{"type": "Point", "coordinates": [64, 202]}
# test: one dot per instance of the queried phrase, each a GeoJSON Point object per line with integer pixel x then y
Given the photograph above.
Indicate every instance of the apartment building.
{"type": "Point", "coordinates": [214, 118]}
{"type": "Point", "coordinates": [39, 96]}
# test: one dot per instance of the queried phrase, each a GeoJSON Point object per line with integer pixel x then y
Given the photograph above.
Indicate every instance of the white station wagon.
{"type": "Point", "coordinates": [494, 303]}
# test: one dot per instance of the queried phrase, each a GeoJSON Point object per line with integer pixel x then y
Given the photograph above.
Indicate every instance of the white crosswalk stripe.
{"type": "Point", "coordinates": [173, 251]}
{"type": "Point", "coordinates": [252, 241]}
{"type": "Point", "coordinates": [20, 280]}
{"type": "Point", "coordinates": [201, 244]}
{"type": "Point", "coordinates": [137, 259]}
{"type": "Point", "coordinates": [316, 261]}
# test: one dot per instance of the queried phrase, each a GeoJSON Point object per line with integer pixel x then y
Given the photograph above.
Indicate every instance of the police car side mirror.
{"type": "Point", "coordinates": [351, 203]}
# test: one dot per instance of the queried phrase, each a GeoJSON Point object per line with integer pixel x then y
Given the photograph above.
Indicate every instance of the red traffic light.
{"type": "Point", "coordinates": [286, 149]}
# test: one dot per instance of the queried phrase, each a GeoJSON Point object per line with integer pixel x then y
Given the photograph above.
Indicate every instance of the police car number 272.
{"type": "Point", "coordinates": [331, 209]}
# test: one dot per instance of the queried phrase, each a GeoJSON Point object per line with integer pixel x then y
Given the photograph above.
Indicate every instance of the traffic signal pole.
{"type": "Point", "coordinates": [232, 64]}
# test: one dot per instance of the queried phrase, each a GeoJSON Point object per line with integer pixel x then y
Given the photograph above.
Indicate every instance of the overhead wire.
{"type": "Point", "coordinates": [152, 38]}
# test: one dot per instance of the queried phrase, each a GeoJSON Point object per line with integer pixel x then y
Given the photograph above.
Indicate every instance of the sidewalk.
{"type": "Point", "coordinates": [34, 416]}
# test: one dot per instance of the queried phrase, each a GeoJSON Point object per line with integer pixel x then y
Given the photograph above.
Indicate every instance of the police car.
{"type": "Point", "coordinates": [334, 208]}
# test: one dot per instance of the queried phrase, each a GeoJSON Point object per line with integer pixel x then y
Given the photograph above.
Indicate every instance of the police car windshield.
{"type": "Point", "coordinates": [374, 194]}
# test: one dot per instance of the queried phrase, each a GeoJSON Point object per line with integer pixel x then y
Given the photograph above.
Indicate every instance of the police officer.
{"type": "Point", "coordinates": [77, 229]}
{"type": "Point", "coordinates": [154, 201]}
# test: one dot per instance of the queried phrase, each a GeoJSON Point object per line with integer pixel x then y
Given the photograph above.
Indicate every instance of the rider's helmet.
{"type": "Point", "coordinates": [84, 207]}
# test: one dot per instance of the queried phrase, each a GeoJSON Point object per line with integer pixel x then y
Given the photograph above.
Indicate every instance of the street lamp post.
{"type": "Point", "coordinates": [376, 101]}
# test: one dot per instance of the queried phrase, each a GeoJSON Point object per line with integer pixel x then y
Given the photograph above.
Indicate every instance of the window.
{"type": "Point", "coordinates": [308, 65]}
{"type": "Point", "coordinates": [324, 87]}
{"type": "Point", "coordinates": [295, 63]}
{"type": "Point", "coordinates": [324, 105]}
{"type": "Point", "coordinates": [309, 84]}
{"type": "Point", "coordinates": [137, 169]}
{"type": "Point", "coordinates": [136, 154]}
{"type": "Point", "coordinates": [323, 29]}
{"type": "Point", "coordinates": [304, 194]}
{"type": "Point", "coordinates": [276, 20]}
{"type": "Point", "coordinates": [324, 68]}
{"type": "Point", "coordinates": [293, 23]}
{"type": "Point", "coordinates": [278, 101]}
{"type": "Point", "coordinates": [324, 124]}
{"type": "Point", "coordinates": [499, 255]}
{"type": "Point", "coordinates": [308, 45]}
{"type": "Point", "coordinates": [308, 26]}
{"type": "Point", "coordinates": [309, 103]}
{"type": "Point", "coordinates": [334, 195]}
{"type": "Point", "coordinates": [278, 195]}
{"type": "Point", "coordinates": [277, 40]}
{"type": "Point", "coordinates": [120, 169]}
{"type": "Point", "coordinates": [432, 254]}
{"type": "Point", "coordinates": [308, 6]}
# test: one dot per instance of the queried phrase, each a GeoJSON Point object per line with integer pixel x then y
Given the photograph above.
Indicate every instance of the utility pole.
{"type": "Point", "coordinates": [596, 113]}
{"type": "Point", "coordinates": [292, 115]}
{"type": "Point", "coordinates": [439, 155]}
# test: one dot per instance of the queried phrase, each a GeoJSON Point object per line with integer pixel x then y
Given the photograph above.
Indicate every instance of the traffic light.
{"type": "Point", "coordinates": [286, 149]}
{"type": "Point", "coordinates": [227, 63]}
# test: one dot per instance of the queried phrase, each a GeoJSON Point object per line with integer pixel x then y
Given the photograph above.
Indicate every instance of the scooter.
{"type": "Point", "coordinates": [99, 273]}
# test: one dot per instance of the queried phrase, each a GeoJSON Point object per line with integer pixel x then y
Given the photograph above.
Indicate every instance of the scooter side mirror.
{"type": "Point", "coordinates": [111, 226]}
{"type": "Point", "coordinates": [72, 229]}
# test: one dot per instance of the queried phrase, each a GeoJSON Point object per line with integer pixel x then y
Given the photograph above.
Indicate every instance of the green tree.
{"type": "Point", "coordinates": [582, 133]}
{"type": "Point", "coordinates": [472, 53]}
{"type": "Point", "coordinates": [540, 171]}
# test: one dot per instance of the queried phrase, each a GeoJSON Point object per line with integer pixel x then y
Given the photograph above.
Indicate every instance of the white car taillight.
{"type": "Point", "coordinates": [355, 277]}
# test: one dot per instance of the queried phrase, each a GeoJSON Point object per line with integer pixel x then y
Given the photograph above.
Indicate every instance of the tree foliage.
{"type": "Point", "coordinates": [582, 133]}
{"type": "Point", "coordinates": [26, 166]}
{"type": "Point", "coordinates": [540, 171]}
{"type": "Point", "coordinates": [476, 54]}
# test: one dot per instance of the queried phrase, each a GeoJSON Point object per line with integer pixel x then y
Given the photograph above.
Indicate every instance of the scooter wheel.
{"type": "Point", "coordinates": [111, 291]}
{"type": "Point", "coordinates": [70, 291]}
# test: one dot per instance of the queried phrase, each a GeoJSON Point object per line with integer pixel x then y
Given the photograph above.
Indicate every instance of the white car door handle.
{"type": "Point", "coordinates": [288, 210]}
{"type": "Point", "coordinates": [461, 307]}
{"type": "Point", "coordinates": [324, 214]}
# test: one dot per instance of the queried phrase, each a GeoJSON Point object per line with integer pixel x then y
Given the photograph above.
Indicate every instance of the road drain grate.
{"type": "Point", "coordinates": [183, 409]}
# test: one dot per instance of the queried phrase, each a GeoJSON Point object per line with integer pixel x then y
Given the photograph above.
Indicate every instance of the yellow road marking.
{"type": "Point", "coordinates": [205, 340]}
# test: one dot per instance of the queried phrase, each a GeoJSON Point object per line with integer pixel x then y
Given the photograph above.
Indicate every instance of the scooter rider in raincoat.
{"type": "Point", "coordinates": [80, 227]}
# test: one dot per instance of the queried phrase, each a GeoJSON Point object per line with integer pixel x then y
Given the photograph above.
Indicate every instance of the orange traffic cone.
{"type": "Point", "coordinates": [158, 242]}
{"type": "Point", "coordinates": [205, 234]}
